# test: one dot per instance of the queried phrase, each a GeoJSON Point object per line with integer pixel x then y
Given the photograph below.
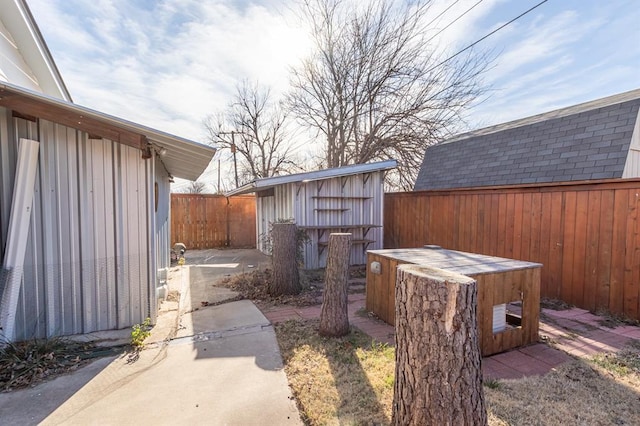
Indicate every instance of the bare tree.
{"type": "Point", "coordinates": [375, 88]}
{"type": "Point", "coordinates": [196, 187]}
{"type": "Point", "coordinates": [255, 128]}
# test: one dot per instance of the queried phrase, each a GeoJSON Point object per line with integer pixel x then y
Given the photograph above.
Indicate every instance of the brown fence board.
{"type": "Point", "coordinates": [587, 234]}
{"type": "Point", "coordinates": [202, 221]}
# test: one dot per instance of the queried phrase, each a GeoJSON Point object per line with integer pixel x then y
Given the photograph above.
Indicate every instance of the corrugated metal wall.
{"type": "Point", "coordinates": [344, 204]}
{"type": "Point", "coordinates": [87, 265]}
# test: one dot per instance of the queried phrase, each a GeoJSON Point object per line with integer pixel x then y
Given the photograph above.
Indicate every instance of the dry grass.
{"type": "Point", "coordinates": [350, 381]}
{"type": "Point", "coordinates": [577, 393]}
{"type": "Point", "coordinates": [346, 380]}
{"type": "Point", "coordinates": [28, 363]}
{"type": "Point", "coordinates": [253, 285]}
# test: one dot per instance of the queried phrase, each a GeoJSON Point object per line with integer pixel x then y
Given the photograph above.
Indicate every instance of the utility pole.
{"type": "Point", "coordinates": [233, 150]}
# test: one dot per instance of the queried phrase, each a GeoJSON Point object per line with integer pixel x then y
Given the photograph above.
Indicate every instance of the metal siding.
{"type": "Point", "coordinates": [7, 172]}
{"type": "Point", "coordinates": [357, 212]}
{"type": "Point", "coordinates": [162, 225]}
{"type": "Point", "coordinates": [296, 200]}
{"type": "Point", "coordinates": [87, 266]}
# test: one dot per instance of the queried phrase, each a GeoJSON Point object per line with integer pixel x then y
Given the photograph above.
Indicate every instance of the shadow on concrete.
{"type": "Point", "coordinates": [215, 320]}
{"type": "Point", "coordinates": [33, 405]}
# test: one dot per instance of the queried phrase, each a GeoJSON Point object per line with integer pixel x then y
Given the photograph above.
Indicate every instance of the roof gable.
{"type": "Point", "coordinates": [25, 59]}
{"type": "Point", "coordinates": [583, 142]}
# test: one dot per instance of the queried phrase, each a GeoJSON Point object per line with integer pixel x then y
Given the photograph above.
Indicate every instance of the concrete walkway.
{"type": "Point", "coordinates": [563, 334]}
{"type": "Point", "coordinates": [203, 365]}
{"type": "Point", "coordinates": [211, 363]}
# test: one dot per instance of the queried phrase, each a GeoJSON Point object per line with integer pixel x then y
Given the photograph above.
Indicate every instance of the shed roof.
{"type": "Point", "coordinates": [582, 142]}
{"type": "Point", "coordinates": [181, 157]}
{"type": "Point", "coordinates": [271, 182]}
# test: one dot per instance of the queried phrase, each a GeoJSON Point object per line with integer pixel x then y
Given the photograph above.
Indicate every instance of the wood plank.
{"type": "Point", "coordinates": [509, 226]}
{"type": "Point", "coordinates": [391, 292]}
{"type": "Point", "coordinates": [501, 231]}
{"type": "Point", "coordinates": [517, 225]}
{"type": "Point", "coordinates": [545, 233]}
{"type": "Point", "coordinates": [618, 249]}
{"type": "Point", "coordinates": [493, 233]}
{"type": "Point", "coordinates": [473, 224]}
{"type": "Point", "coordinates": [551, 273]}
{"type": "Point", "coordinates": [486, 333]}
{"type": "Point", "coordinates": [531, 305]}
{"type": "Point", "coordinates": [579, 249]}
{"type": "Point", "coordinates": [591, 251]}
{"type": "Point", "coordinates": [535, 231]}
{"type": "Point", "coordinates": [631, 258]}
{"type": "Point", "coordinates": [569, 240]}
{"type": "Point", "coordinates": [605, 243]}
{"type": "Point", "coordinates": [525, 240]}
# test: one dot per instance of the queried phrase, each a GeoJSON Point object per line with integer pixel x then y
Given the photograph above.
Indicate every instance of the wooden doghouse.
{"type": "Point", "coordinates": [508, 291]}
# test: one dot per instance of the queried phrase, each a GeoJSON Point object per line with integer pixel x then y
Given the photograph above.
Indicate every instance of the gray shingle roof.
{"type": "Point", "coordinates": [582, 142]}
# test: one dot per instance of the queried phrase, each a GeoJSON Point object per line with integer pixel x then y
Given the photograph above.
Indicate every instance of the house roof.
{"type": "Point", "coordinates": [181, 157]}
{"type": "Point", "coordinates": [30, 45]}
{"type": "Point", "coordinates": [581, 142]}
{"type": "Point", "coordinates": [271, 182]}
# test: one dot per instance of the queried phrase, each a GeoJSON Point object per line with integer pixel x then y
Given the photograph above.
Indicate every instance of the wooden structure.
{"type": "Point", "coordinates": [500, 282]}
{"type": "Point", "coordinates": [344, 199]}
{"type": "Point", "coordinates": [203, 221]}
{"type": "Point", "coordinates": [586, 234]}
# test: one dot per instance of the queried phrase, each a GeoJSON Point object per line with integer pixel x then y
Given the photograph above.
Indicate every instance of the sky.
{"type": "Point", "coordinates": [168, 64]}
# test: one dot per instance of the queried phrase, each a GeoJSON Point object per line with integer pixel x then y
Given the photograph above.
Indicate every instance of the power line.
{"type": "Point", "coordinates": [454, 21]}
{"type": "Point", "coordinates": [443, 12]}
{"type": "Point", "coordinates": [486, 36]}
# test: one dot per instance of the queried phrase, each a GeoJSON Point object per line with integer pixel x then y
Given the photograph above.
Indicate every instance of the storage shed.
{"type": "Point", "coordinates": [84, 199]}
{"type": "Point", "coordinates": [590, 141]}
{"type": "Point", "coordinates": [93, 248]}
{"type": "Point", "coordinates": [343, 199]}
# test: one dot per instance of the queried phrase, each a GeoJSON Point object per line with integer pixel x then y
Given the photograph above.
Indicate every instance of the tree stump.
{"type": "Point", "coordinates": [334, 317]}
{"type": "Point", "coordinates": [286, 277]}
{"type": "Point", "coordinates": [438, 375]}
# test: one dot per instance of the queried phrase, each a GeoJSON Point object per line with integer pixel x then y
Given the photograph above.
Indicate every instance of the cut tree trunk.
{"type": "Point", "coordinates": [286, 277]}
{"type": "Point", "coordinates": [438, 375]}
{"type": "Point", "coordinates": [334, 317]}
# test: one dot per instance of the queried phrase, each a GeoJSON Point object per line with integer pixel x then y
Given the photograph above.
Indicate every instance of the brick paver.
{"type": "Point", "coordinates": [573, 332]}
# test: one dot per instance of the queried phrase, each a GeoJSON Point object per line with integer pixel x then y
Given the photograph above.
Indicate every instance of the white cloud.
{"type": "Point", "coordinates": [172, 65]}
{"type": "Point", "coordinates": [169, 63]}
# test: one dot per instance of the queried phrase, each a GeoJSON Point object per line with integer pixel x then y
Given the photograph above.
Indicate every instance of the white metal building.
{"type": "Point", "coordinates": [344, 199]}
{"type": "Point", "coordinates": [84, 200]}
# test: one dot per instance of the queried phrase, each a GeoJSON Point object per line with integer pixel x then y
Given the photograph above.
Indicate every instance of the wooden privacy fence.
{"type": "Point", "coordinates": [211, 221]}
{"type": "Point", "coordinates": [587, 235]}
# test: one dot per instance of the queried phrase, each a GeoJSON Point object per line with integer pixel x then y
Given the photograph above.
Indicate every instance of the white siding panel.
{"type": "Point", "coordinates": [13, 67]}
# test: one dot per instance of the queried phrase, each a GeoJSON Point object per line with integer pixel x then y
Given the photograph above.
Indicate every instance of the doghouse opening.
{"type": "Point", "coordinates": [507, 316]}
